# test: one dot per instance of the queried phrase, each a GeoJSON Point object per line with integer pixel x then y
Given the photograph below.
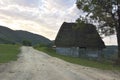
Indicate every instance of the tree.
{"type": "Point", "coordinates": [106, 13]}
{"type": "Point", "coordinates": [26, 43]}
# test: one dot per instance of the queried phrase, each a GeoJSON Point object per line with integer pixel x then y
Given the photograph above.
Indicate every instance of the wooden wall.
{"type": "Point", "coordinates": [76, 52]}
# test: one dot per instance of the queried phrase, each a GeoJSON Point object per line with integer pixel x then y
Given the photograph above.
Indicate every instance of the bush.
{"type": "Point", "coordinates": [26, 43]}
{"type": "Point", "coordinates": [49, 45]}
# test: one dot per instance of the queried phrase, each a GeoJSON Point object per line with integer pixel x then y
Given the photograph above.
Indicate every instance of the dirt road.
{"type": "Point", "coordinates": [35, 65]}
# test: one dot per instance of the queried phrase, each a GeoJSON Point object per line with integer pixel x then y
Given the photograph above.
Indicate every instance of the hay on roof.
{"type": "Point", "coordinates": [83, 37]}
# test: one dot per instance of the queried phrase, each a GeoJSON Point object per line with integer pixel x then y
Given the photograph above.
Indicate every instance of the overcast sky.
{"type": "Point", "coordinates": [43, 17]}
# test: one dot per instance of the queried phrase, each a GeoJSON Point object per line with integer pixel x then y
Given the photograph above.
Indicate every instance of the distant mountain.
{"type": "Point", "coordinates": [17, 36]}
{"type": "Point", "coordinates": [34, 38]}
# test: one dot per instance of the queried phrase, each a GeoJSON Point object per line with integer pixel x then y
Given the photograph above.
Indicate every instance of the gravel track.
{"type": "Point", "coordinates": [36, 65]}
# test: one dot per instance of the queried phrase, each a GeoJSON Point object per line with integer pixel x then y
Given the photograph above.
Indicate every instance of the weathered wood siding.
{"type": "Point", "coordinates": [73, 51]}
{"type": "Point", "coordinates": [93, 53]}
{"type": "Point", "coordinates": [107, 53]}
{"type": "Point", "coordinates": [76, 52]}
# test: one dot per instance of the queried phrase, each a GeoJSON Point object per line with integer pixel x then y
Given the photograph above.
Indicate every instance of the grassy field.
{"type": "Point", "coordinates": [80, 61]}
{"type": "Point", "coordinates": [8, 52]}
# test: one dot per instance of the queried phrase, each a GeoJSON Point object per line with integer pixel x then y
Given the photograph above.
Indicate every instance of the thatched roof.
{"type": "Point", "coordinates": [84, 36]}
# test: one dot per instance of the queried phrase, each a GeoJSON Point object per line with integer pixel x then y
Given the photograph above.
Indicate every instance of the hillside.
{"type": "Point", "coordinates": [17, 36]}
{"type": "Point", "coordinates": [8, 36]}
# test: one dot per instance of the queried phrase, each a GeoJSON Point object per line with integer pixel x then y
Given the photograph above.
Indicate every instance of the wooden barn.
{"type": "Point", "coordinates": [79, 41]}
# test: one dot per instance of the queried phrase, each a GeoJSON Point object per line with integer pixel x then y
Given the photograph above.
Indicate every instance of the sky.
{"type": "Point", "coordinates": [42, 17]}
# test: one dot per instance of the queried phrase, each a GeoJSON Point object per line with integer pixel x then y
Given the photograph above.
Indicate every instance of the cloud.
{"type": "Point", "coordinates": [58, 4]}
{"type": "Point", "coordinates": [25, 3]}
{"type": "Point", "coordinates": [46, 16]}
{"type": "Point", "coordinates": [110, 40]}
{"type": "Point", "coordinates": [42, 17]}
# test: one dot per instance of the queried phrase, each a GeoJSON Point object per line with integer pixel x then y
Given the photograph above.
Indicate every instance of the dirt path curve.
{"type": "Point", "coordinates": [35, 65]}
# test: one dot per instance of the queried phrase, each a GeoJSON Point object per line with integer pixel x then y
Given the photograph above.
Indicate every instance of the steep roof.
{"type": "Point", "coordinates": [84, 36]}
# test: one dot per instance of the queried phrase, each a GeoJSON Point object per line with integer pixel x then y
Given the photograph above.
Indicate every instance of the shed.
{"type": "Point", "coordinates": [77, 41]}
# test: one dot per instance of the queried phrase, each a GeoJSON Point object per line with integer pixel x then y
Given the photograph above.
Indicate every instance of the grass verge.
{"type": "Point", "coordinates": [8, 52]}
{"type": "Point", "coordinates": [80, 61]}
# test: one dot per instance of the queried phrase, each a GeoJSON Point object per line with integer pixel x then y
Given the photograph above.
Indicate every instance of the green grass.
{"type": "Point", "coordinates": [80, 61]}
{"type": "Point", "coordinates": [8, 52]}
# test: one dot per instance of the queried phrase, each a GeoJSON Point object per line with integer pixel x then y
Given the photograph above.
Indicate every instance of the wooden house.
{"type": "Point", "coordinates": [78, 41]}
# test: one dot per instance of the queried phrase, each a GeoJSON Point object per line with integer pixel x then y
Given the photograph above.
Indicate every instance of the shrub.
{"type": "Point", "coordinates": [26, 43]}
